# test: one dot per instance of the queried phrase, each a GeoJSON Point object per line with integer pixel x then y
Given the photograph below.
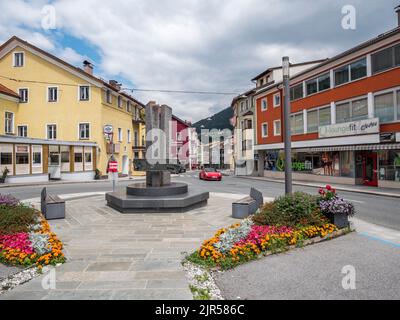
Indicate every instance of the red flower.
{"type": "Point", "coordinates": [329, 188]}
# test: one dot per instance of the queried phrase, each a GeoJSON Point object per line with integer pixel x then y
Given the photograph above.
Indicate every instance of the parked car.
{"type": "Point", "coordinates": [210, 174]}
{"type": "Point", "coordinates": [176, 168]}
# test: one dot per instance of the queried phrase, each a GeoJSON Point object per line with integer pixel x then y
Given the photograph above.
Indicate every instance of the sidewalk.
{"type": "Point", "coordinates": [394, 193]}
{"type": "Point", "coordinates": [61, 182]}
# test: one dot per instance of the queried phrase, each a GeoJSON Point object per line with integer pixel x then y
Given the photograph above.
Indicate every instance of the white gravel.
{"type": "Point", "coordinates": [202, 279]}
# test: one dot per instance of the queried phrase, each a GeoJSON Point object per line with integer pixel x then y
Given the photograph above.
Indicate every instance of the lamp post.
{"type": "Point", "coordinates": [288, 135]}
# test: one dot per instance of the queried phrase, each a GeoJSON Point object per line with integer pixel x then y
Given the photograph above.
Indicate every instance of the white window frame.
{"type": "Point", "coordinates": [79, 131]}
{"type": "Point", "coordinates": [12, 122]}
{"type": "Point", "coordinates": [48, 94]}
{"type": "Point", "coordinates": [264, 108]}
{"type": "Point", "coordinates": [120, 135]}
{"type": "Point", "coordinates": [47, 131]}
{"type": "Point", "coordinates": [301, 113]}
{"type": "Point", "coordinates": [14, 59]}
{"type": "Point", "coordinates": [348, 64]}
{"type": "Point", "coordinates": [22, 126]}
{"type": "Point", "coordinates": [277, 95]}
{"type": "Point", "coordinates": [129, 134]}
{"type": "Point", "coordinates": [27, 95]}
{"type": "Point", "coordinates": [276, 134]}
{"type": "Point", "coordinates": [262, 129]}
{"type": "Point", "coordinates": [350, 102]}
{"type": "Point", "coordinates": [394, 91]}
{"type": "Point", "coordinates": [79, 92]}
{"type": "Point", "coordinates": [379, 50]}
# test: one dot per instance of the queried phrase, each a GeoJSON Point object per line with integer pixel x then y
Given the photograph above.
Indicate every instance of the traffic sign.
{"type": "Point", "coordinates": [113, 166]}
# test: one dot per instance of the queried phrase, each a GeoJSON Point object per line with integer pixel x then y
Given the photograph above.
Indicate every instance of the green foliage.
{"type": "Point", "coordinates": [196, 259]}
{"type": "Point", "coordinates": [200, 294]}
{"type": "Point", "coordinates": [298, 209]}
{"type": "Point", "coordinates": [202, 278]}
{"type": "Point", "coordinates": [17, 219]}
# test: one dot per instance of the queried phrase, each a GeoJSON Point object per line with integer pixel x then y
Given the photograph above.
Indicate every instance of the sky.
{"type": "Point", "coordinates": [191, 45]}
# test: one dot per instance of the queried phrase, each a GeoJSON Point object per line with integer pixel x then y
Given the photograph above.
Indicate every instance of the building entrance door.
{"type": "Point", "coordinates": [370, 169]}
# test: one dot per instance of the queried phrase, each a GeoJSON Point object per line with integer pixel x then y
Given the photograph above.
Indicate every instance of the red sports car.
{"type": "Point", "coordinates": [210, 174]}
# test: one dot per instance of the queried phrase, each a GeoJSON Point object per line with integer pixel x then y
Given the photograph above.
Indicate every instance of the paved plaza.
{"type": "Point", "coordinates": [116, 256]}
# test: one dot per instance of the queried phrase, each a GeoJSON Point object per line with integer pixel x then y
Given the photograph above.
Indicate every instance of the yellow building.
{"type": "Point", "coordinates": [67, 108]}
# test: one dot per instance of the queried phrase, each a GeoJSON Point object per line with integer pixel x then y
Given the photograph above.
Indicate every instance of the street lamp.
{"type": "Point", "coordinates": [288, 135]}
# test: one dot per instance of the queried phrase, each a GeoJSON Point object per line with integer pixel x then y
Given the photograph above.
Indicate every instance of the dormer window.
{"type": "Point", "coordinates": [19, 59]}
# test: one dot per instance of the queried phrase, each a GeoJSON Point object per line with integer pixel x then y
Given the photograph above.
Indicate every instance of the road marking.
{"type": "Point", "coordinates": [366, 235]}
{"type": "Point", "coordinates": [356, 201]}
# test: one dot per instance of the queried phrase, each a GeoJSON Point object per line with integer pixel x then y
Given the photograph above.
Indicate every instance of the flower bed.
{"type": "Point", "coordinates": [288, 221]}
{"type": "Point", "coordinates": [25, 236]}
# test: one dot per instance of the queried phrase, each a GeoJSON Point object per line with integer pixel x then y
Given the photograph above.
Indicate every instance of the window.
{"type": "Point", "coordinates": [351, 72]}
{"type": "Point", "coordinates": [52, 94]}
{"type": "Point", "coordinates": [84, 93]}
{"type": "Point", "coordinates": [398, 105]}
{"type": "Point", "coordinates": [264, 130]}
{"type": "Point", "coordinates": [52, 131]}
{"type": "Point", "coordinates": [297, 123]}
{"type": "Point", "coordinates": [264, 104]}
{"type": "Point", "coordinates": [6, 158]}
{"type": "Point", "coordinates": [108, 97]}
{"type": "Point", "coordinates": [385, 59]}
{"type": "Point", "coordinates": [248, 124]}
{"type": "Point", "coordinates": [119, 134]}
{"type": "Point", "coordinates": [296, 92]}
{"type": "Point", "coordinates": [78, 157]}
{"type": "Point", "coordinates": [36, 158]}
{"type": "Point", "coordinates": [319, 84]}
{"type": "Point", "coordinates": [384, 107]}
{"type": "Point", "coordinates": [318, 118]}
{"type": "Point", "coordinates": [84, 131]}
{"type": "Point", "coordinates": [119, 102]}
{"type": "Point", "coordinates": [277, 128]}
{"type": "Point", "coordinates": [242, 106]}
{"type": "Point", "coordinates": [136, 138]}
{"type": "Point", "coordinates": [277, 100]}
{"type": "Point", "coordinates": [312, 121]}
{"type": "Point", "coordinates": [352, 111]}
{"type": "Point", "coordinates": [22, 158]}
{"type": "Point", "coordinates": [65, 157]}
{"type": "Point", "coordinates": [23, 95]}
{"type": "Point", "coordinates": [88, 157]}
{"type": "Point", "coordinates": [9, 123]}
{"type": "Point", "coordinates": [18, 59]}
{"type": "Point", "coordinates": [22, 131]}
{"type": "Point", "coordinates": [128, 106]}
{"type": "Point", "coordinates": [129, 136]}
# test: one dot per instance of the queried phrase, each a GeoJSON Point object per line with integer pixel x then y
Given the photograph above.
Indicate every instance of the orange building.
{"type": "Point", "coordinates": [345, 118]}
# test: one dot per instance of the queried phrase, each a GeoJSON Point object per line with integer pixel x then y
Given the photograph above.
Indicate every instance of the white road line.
{"type": "Point", "coordinates": [356, 201]}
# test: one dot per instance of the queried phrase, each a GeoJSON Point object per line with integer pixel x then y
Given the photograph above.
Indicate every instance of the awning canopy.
{"type": "Point", "coordinates": [388, 146]}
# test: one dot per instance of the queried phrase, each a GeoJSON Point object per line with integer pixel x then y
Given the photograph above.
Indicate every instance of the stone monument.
{"type": "Point", "coordinates": [158, 193]}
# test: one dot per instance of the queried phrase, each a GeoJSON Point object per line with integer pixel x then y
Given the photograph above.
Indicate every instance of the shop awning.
{"type": "Point", "coordinates": [388, 146]}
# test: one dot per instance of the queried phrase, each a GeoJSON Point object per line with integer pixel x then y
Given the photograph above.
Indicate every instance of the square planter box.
{"type": "Point", "coordinates": [340, 220]}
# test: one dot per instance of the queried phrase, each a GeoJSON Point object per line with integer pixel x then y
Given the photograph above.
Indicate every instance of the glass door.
{"type": "Point", "coordinates": [370, 165]}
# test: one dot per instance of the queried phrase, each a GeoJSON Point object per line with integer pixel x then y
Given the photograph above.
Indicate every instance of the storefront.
{"type": "Point", "coordinates": [36, 160]}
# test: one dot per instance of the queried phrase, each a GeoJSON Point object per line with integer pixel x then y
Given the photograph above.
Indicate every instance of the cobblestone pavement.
{"type": "Point", "coordinates": [116, 256]}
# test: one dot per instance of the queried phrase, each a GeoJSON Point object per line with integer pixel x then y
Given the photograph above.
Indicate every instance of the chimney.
{"type": "Point", "coordinates": [397, 9]}
{"type": "Point", "coordinates": [88, 67]}
{"type": "Point", "coordinates": [115, 84]}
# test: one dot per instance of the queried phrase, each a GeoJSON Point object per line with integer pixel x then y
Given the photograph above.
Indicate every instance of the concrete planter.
{"type": "Point", "coordinates": [340, 220]}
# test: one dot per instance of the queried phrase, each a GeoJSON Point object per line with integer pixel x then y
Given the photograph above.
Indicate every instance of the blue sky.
{"type": "Point", "coordinates": [194, 45]}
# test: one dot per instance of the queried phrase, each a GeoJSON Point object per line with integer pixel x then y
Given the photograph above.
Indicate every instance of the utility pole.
{"type": "Point", "coordinates": [288, 134]}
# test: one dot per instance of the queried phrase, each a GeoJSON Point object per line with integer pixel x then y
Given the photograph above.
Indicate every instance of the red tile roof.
{"type": "Point", "coordinates": [9, 92]}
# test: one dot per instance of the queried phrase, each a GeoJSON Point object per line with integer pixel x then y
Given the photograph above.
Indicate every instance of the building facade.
{"type": "Point", "coordinates": [345, 119]}
{"type": "Point", "coordinates": [69, 107]}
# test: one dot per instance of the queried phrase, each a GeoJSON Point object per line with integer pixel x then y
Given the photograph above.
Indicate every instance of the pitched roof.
{"type": "Point", "coordinates": [79, 70]}
{"type": "Point", "coordinates": [8, 92]}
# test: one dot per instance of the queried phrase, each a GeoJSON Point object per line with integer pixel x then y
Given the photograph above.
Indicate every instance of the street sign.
{"type": "Point", "coordinates": [113, 166]}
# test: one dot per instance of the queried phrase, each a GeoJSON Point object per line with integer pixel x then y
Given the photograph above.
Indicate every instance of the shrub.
{"type": "Point", "coordinates": [291, 210]}
{"type": "Point", "coordinates": [17, 219]}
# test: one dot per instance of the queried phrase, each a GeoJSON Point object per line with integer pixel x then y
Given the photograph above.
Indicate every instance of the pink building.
{"type": "Point", "coordinates": [180, 144]}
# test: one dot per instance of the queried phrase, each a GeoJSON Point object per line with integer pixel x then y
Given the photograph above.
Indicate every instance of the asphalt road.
{"type": "Point", "coordinates": [379, 210]}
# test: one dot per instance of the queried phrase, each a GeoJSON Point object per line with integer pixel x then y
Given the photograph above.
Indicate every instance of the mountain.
{"type": "Point", "coordinates": [220, 121]}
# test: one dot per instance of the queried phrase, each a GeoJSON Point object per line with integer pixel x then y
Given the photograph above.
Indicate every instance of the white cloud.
{"type": "Point", "coordinates": [202, 45]}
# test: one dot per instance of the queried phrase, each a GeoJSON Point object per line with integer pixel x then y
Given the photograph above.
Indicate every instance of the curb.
{"type": "Point", "coordinates": [376, 193]}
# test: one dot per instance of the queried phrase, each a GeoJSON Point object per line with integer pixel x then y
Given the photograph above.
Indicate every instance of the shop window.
{"type": "Point", "coordinates": [347, 164]}
{"type": "Point", "coordinates": [88, 157]}
{"type": "Point", "coordinates": [389, 165]}
{"type": "Point", "coordinates": [65, 157]}
{"type": "Point", "coordinates": [384, 107]}
{"type": "Point", "coordinates": [78, 158]}
{"type": "Point", "coordinates": [37, 158]}
{"type": "Point", "coordinates": [22, 158]}
{"type": "Point", "coordinates": [312, 121]}
{"type": "Point", "coordinates": [296, 92]}
{"type": "Point", "coordinates": [6, 158]}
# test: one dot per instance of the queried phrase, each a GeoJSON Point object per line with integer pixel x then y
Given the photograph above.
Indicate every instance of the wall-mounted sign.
{"type": "Point", "coordinates": [22, 149]}
{"type": "Point", "coordinates": [108, 129]}
{"type": "Point", "coordinates": [354, 128]}
{"type": "Point", "coordinates": [388, 137]}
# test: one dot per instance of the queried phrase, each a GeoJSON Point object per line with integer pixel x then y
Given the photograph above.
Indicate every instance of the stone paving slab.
{"type": "Point", "coordinates": [115, 256]}
{"type": "Point", "coordinates": [6, 271]}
